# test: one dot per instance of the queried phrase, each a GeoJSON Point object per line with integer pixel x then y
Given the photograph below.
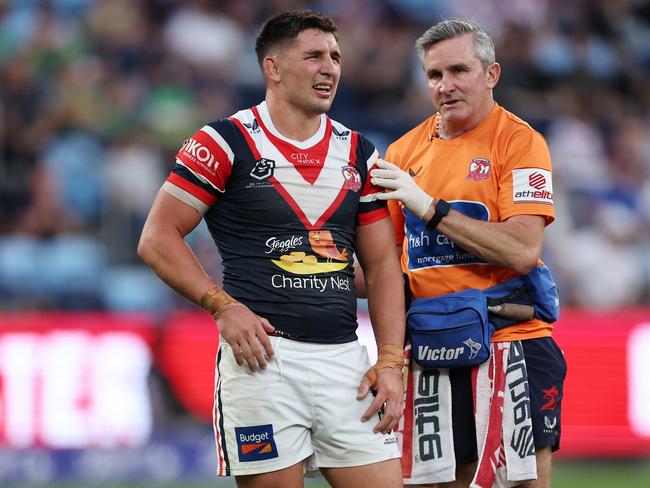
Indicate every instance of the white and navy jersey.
{"type": "Point", "coordinates": [283, 214]}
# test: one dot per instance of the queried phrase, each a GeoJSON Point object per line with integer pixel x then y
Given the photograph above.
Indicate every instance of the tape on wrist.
{"type": "Point", "coordinates": [389, 356]}
{"type": "Point", "coordinates": [217, 301]}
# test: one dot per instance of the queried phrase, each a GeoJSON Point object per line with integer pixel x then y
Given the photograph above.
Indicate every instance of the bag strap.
{"type": "Point", "coordinates": [519, 292]}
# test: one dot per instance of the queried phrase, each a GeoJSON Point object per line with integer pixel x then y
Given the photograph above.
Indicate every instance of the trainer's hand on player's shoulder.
{"type": "Point", "coordinates": [246, 333]}
{"type": "Point", "coordinates": [389, 396]}
{"type": "Point", "coordinates": [404, 189]}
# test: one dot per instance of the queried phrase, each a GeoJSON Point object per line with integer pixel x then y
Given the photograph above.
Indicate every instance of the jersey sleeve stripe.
{"type": "Point", "coordinates": [370, 208]}
{"type": "Point", "coordinates": [373, 216]}
{"type": "Point", "coordinates": [248, 138]}
{"type": "Point", "coordinates": [221, 143]}
{"type": "Point", "coordinates": [208, 156]}
{"type": "Point", "coordinates": [185, 197]}
{"type": "Point", "coordinates": [368, 188]}
{"type": "Point", "coordinates": [199, 176]}
{"type": "Point", "coordinates": [368, 198]}
{"type": "Point", "coordinates": [194, 190]}
{"type": "Point", "coordinates": [186, 174]}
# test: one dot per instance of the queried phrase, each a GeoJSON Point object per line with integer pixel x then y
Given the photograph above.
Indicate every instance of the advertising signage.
{"type": "Point", "coordinates": [71, 381]}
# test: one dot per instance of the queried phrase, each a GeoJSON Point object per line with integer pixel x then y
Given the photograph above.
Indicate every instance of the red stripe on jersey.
{"type": "Point", "coordinates": [194, 190]}
{"type": "Point", "coordinates": [249, 139]}
{"type": "Point", "coordinates": [339, 198]}
{"type": "Point", "coordinates": [308, 162]}
{"type": "Point", "coordinates": [299, 212]}
{"type": "Point", "coordinates": [332, 208]}
{"type": "Point", "coordinates": [373, 216]}
{"type": "Point", "coordinates": [354, 141]}
{"type": "Point", "coordinates": [292, 203]}
{"type": "Point", "coordinates": [368, 187]}
{"type": "Point", "coordinates": [202, 154]}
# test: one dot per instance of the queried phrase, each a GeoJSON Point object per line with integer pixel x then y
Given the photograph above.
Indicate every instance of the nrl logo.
{"type": "Point", "coordinates": [263, 169]}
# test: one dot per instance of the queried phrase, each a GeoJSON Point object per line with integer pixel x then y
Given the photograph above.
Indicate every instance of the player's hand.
{"type": "Point", "coordinates": [245, 332]}
{"type": "Point", "coordinates": [389, 398]}
{"type": "Point", "coordinates": [403, 188]}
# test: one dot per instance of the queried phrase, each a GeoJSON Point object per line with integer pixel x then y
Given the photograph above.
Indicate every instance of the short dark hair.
{"type": "Point", "coordinates": [286, 26]}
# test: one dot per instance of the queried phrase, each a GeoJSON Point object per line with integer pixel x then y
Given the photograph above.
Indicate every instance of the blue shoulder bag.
{"type": "Point", "coordinates": [455, 330]}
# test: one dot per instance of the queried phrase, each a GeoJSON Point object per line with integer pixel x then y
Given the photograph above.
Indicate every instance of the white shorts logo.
{"type": "Point", "coordinates": [532, 185]}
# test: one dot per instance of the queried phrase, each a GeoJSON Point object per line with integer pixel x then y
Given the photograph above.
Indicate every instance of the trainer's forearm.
{"type": "Point", "coordinates": [510, 244]}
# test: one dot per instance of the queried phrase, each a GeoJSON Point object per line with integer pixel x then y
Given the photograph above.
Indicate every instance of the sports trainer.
{"type": "Point", "coordinates": [472, 190]}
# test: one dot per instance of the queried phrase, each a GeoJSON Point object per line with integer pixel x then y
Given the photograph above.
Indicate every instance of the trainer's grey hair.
{"type": "Point", "coordinates": [448, 29]}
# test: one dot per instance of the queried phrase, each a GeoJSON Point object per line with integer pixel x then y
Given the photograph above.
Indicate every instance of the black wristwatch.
{"type": "Point", "coordinates": [442, 210]}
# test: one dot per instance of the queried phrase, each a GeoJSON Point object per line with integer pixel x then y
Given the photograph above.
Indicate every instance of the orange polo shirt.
{"type": "Point", "coordinates": [497, 170]}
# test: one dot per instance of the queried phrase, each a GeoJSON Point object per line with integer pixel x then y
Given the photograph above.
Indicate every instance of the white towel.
{"type": "Point", "coordinates": [503, 430]}
{"type": "Point", "coordinates": [517, 441]}
{"type": "Point", "coordinates": [427, 424]}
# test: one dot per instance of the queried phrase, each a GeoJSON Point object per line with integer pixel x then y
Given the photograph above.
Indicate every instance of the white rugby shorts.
{"type": "Point", "coordinates": [303, 406]}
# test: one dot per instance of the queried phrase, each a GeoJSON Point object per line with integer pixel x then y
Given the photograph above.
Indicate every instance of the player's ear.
{"type": "Point", "coordinates": [492, 74]}
{"type": "Point", "coordinates": [270, 68]}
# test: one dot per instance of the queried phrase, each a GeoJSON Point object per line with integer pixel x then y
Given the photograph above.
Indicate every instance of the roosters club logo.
{"type": "Point", "coordinates": [550, 396]}
{"type": "Point", "coordinates": [352, 178]}
{"type": "Point", "coordinates": [479, 169]}
{"type": "Point", "coordinates": [263, 169]}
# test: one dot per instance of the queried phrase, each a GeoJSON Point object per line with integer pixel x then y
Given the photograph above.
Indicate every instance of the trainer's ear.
{"type": "Point", "coordinates": [270, 68]}
{"type": "Point", "coordinates": [492, 75]}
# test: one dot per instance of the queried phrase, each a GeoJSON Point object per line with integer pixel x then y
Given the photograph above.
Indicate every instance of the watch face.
{"type": "Point", "coordinates": [443, 207]}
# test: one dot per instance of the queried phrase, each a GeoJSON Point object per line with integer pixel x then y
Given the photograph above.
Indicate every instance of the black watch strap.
{"type": "Point", "coordinates": [442, 210]}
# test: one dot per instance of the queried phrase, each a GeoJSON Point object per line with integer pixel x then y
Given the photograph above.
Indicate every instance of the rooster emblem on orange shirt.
{"type": "Point", "coordinates": [322, 243]}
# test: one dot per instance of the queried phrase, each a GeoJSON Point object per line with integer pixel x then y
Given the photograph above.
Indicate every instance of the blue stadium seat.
{"type": "Point", "coordinates": [134, 288]}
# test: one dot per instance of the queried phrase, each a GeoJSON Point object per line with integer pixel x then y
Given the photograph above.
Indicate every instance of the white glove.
{"type": "Point", "coordinates": [405, 189]}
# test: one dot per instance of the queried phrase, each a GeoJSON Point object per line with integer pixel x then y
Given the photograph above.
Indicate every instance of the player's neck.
{"type": "Point", "coordinates": [292, 123]}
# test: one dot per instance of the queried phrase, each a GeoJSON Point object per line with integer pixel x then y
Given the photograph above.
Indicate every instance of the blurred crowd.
{"type": "Point", "coordinates": [96, 97]}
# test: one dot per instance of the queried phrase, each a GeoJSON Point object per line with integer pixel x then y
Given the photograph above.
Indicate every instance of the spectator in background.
{"type": "Point", "coordinates": [98, 69]}
{"type": "Point", "coordinates": [285, 193]}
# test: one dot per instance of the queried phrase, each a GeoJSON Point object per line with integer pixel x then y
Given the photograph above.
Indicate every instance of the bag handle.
{"type": "Point", "coordinates": [513, 311]}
